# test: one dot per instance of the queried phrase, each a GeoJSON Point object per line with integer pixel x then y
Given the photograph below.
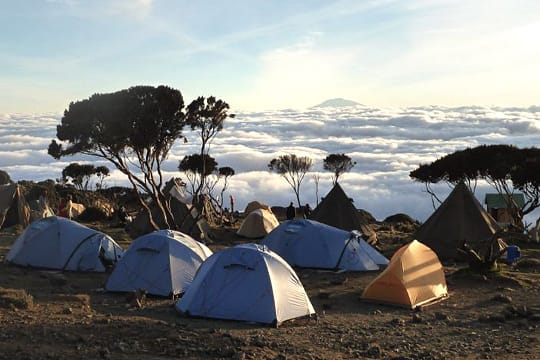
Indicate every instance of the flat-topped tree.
{"type": "Point", "coordinates": [206, 116]}
{"type": "Point", "coordinates": [134, 129]}
{"type": "Point", "coordinates": [338, 164]}
{"type": "Point", "coordinates": [80, 174]}
{"type": "Point", "coordinates": [197, 168]}
{"type": "Point", "coordinates": [293, 169]}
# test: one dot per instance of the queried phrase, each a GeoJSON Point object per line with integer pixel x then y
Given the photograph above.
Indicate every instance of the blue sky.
{"type": "Point", "coordinates": [272, 54]}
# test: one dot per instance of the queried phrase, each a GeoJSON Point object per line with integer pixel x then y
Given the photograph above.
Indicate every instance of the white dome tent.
{"type": "Point", "coordinates": [311, 244]}
{"type": "Point", "coordinates": [163, 263]}
{"type": "Point", "coordinates": [62, 244]}
{"type": "Point", "coordinates": [247, 282]}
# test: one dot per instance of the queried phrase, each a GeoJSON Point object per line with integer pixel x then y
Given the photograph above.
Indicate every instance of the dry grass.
{"type": "Point", "coordinates": [15, 298]}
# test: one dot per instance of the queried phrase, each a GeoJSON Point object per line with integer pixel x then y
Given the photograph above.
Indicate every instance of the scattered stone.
{"type": "Point", "coordinates": [416, 318]}
{"type": "Point", "coordinates": [441, 316]}
{"type": "Point", "coordinates": [70, 338]}
{"type": "Point", "coordinates": [239, 356]}
{"type": "Point", "coordinates": [374, 351]}
{"type": "Point", "coordinates": [523, 311]}
{"type": "Point", "coordinates": [397, 321]}
{"type": "Point", "coordinates": [122, 346]}
{"type": "Point", "coordinates": [484, 318]}
{"type": "Point", "coordinates": [67, 311]}
{"type": "Point", "coordinates": [497, 318]}
{"type": "Point", "coordinates": [105, 353]}
{"type": "Point", "coordinates": [502, 298]}
{"type": "Point", "coordinates": [339, 281]}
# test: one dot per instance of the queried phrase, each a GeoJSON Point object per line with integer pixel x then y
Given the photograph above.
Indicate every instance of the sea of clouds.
{"type": "Point", "coordinates": [386, 144]}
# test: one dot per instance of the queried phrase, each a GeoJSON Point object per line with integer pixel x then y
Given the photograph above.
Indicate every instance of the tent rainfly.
{"type": "Point", "coordinates": [414, 277]}
{"type": "Point", "coordinates": [254, 205]}
{"type": "Point", "coordinates": [246, 282]}
{"type": "Point", "coordinates": [257, 224]}
{"type": "Point", "coordinates": [62, 244]}
{"type": "Point", "coordinates": [163, 263]}
{"type": "Point", "coordinates": [308, 243]}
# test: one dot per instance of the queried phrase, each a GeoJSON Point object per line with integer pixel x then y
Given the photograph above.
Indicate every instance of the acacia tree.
{"type": "Point", "coordinates": [224, 173]}
{"type": "Point", "coordinates": [505, 167]}
{"type": "Point", "coordinates": [197, 168]}
{"type": "Point", "coordinates": [338, 164]}
{"type": "Point", "coordinates": [206, 115]}
{"type": "Point", "coordinates": [101, 172]}
{"type": "Point", "coordinates": [80, 174]}
{"type": "Point", "coordinates": [293, 169]}
{"type": "Point", "coordinates": [134, 129]}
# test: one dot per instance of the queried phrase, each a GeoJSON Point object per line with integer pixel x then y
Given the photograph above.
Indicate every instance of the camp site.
{"type": "Point", "coordinates": [270, 180]}
{"type": "Point", "coordinates": [338, 284]}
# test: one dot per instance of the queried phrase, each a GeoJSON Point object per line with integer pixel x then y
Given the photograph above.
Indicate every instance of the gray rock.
{"type": "Point", "coordinates": [416, 318]}
{"type": "Point", "coordinates": [441, 316]}
{"type": "Point", "coordinates": [502, 298]}
{"type": "Point", "coordinates": [374, 351]}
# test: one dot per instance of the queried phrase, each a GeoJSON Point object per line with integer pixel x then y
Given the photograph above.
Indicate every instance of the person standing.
{"type": "Point", "coordinates": [307, 211]}
{"type": "Point", "coordinates": [291, 212]}
{"type": "Point", "coordinates": [65, 207]}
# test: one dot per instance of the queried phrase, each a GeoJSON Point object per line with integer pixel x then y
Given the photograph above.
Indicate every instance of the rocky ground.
{"type": "Point", "coordinates": [54, 315]}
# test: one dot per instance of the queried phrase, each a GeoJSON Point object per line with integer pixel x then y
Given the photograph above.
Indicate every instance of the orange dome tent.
{"type": "Point", "coordinates": [414, 277]}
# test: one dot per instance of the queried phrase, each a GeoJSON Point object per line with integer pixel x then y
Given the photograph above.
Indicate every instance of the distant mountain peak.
{"type": "Point", "coordinates": [337, 102]}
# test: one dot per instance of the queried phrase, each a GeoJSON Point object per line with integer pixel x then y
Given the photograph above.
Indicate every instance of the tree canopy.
{"type": "Point", "coordinates": [505, 167]}
{"type": "Point", "coordinates": [293, 169]}
{"type": "Point", "coordinates": [206, 116]}
{"type": "Point", "coordinates": [338, 164]}
{"type": "Point", "coordinates": [133, 128]}
{"type": "Point", "coordinates": [197, 168]}
{"type": "Point", "coordinates": [80, 174]}
{"type": "Point", "coordinates": [4, 178]}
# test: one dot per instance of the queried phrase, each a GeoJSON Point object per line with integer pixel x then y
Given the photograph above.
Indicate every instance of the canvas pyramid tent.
{"type": "Point", "coordinates": [247, 282]}
{"type": "Point", "coordinates": [336, 209]}
{"type": "Point", "coordinates": [163, 263]}
{"type": "Point", "coordinates": [308, 243]}
{"type": "Point", "coordinates": [460, 218]}
{"type": "Point", "coordinates": [414, 277]}
{"type": "Point", "coordinates": [13, 207]}
{"type": "Point", "coordinates": [62, 244]}
{"type": "Point", "coordinates": [257, 224]}
{"type": "Point", "coordinates": [183, 212]}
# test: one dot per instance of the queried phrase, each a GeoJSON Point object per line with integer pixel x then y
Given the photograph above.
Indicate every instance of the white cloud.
{"type": "Point", "coordinates": [386, 144]}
